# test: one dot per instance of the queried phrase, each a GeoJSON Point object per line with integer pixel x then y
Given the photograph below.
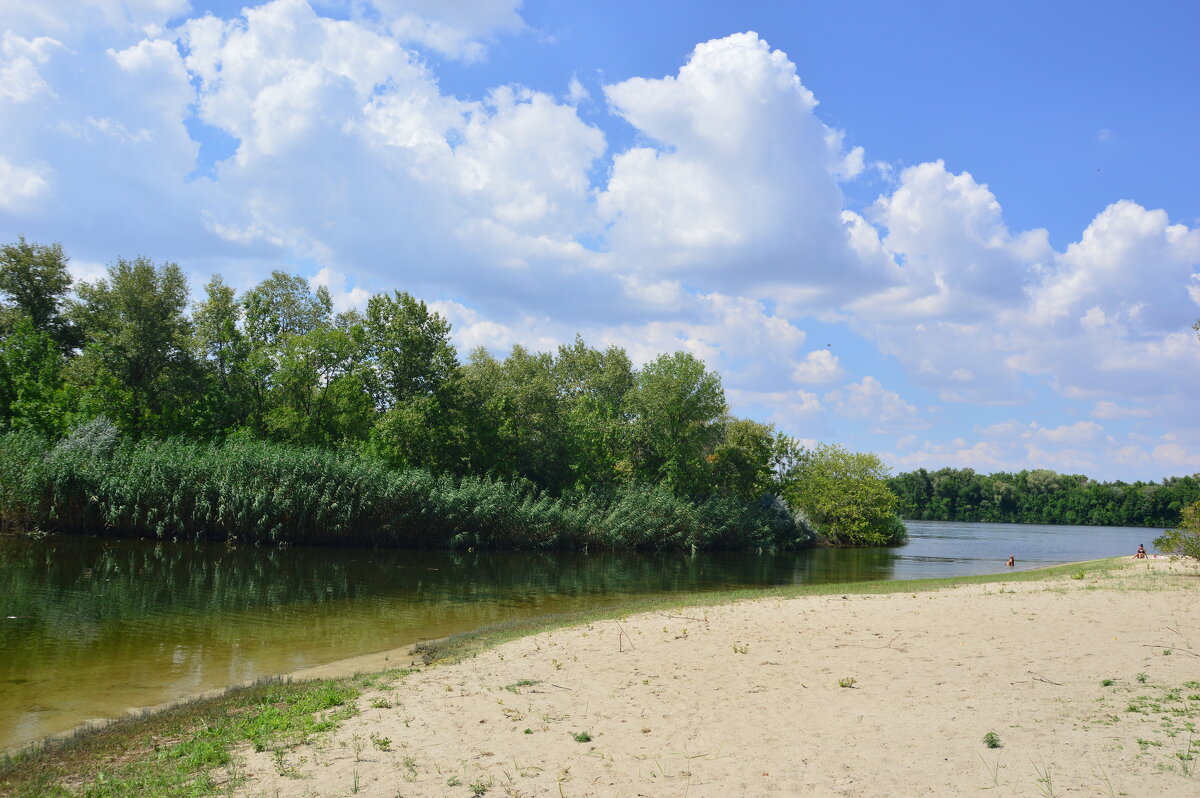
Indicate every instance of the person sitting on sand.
{"type": "Point", "coordinates": [1011, 561]}
{"type": "Point", "coordinates": [1141, 552]}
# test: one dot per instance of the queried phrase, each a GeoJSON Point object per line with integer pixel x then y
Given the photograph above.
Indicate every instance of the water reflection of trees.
{"type": "Point", "coordinates": [69, 587]}
{"type": "Point", "coordinates": [111, 580]}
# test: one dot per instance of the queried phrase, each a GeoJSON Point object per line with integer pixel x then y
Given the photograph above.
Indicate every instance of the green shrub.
{"type": "Point", "coordinates": [260, 492]}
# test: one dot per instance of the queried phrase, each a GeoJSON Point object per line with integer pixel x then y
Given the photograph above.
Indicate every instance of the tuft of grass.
{"type": "Point", "coordinates": [848, 681]}
{"type": "Point", "coordinates": [516, 686]}
{"type": "Point", "coordinates": [1107, 683]}
{"type": "Point", "coordinates": [1142, 678]}
{"type": "Point", "coordinates": [381, 743]}
{"type": "Point", "coordinates": [992, 740]}
{"type": "Point", "coordinates": [582, 737]}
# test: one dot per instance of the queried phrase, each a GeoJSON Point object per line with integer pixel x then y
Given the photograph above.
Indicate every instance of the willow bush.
{"type": "Point", "coordinates": [260, 492]}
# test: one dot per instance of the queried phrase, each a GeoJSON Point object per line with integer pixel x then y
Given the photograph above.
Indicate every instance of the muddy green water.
{"type": "Point", "coordinates": [91, 627]}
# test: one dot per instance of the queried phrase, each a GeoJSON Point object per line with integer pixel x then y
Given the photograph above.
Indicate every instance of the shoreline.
{"type": "Point", "coordinates": [453, 646]}
{"type": "Point", "coordinates": [822, 694]}
{"type": "Point", "coordinates": [483, 653]}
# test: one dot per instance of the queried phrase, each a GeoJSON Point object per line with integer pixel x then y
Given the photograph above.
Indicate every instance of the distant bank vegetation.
{"type": "Point", "coordinates": [1041, 497]}
{"type": "Point", "coordinates": [266, 416]}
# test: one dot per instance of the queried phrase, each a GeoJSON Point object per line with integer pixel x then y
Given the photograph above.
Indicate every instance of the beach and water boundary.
{"type": "Point", "coordinates": [671, 644]}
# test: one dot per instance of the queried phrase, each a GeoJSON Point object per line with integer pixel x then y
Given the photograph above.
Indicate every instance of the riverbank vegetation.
{"type": "Point", "coordinates": [1041, 497]}
{"type": "Point", "coordinates": [268, 417]}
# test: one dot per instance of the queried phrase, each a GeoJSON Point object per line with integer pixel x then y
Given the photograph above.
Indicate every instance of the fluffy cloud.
{"type": "Point", "coordinates": [20, 80]}
{"type": "Point", "coordinates": [819, 367]}
{"type": "Point", "coordinates": [20, 186]}
{"type": "Point", "coordinates": [459, 29]}
{"type": "Point", "coordinates": [978, 308]}
{"type": "Point", "coordinates": [868, 401]}
{"type": "Point", "coordinates": [84, 18]}
{"type": "Point", "coordinates": [751, 348]}
{"type": "Point", "coordinates": [739, 184]}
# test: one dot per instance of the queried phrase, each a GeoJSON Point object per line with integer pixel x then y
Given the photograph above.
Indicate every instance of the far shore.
{"type": "Point", "coordinates": [1084, 683]}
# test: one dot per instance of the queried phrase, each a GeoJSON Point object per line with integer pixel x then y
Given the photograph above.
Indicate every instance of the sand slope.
{"type": "Point", "coordinates": [745, 699]}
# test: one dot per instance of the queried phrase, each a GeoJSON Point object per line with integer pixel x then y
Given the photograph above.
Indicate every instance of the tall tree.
{"type": "Point", "coordinates": [223, 352]}
{"type": "Point", "coordinates": [277, 309]}
{"type": "Point", "coordinates": [678, 409]}
{"type": "Point", "coordinates": [414, 379]}
{"type": "Point", "coordinates": [137, 367]}
{"type": "Point", "coordinates": [35, 280]}
{"type": "Point", "coordinates": [594, 387]}
{"type": "Point", "coordinates": [409, 348]}
{"type": "Point", "coordinates": [319, 394]}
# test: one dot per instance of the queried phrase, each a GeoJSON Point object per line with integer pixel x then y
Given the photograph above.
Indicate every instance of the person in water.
{"type": "Point", "coordinates": [1011, 561]}
{"type": "Point", "coordinates": [1141, 552]}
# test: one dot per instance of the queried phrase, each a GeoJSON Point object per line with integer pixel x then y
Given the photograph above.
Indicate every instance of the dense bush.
{"type": "Point", "coordinates": [255, 491]}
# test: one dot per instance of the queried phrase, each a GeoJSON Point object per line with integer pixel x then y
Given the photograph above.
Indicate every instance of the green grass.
{"type": "Point", "coordinates": [186, 751]}
{"type": "Point", "coordinates": [94, 481]}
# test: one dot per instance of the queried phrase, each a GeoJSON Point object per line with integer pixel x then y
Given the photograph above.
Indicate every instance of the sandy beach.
{"type": "Point", "coordinates": [884, 695]}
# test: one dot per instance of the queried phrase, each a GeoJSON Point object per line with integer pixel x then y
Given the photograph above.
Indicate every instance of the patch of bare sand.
{"type": "Point", "coordinates": [745, 700]}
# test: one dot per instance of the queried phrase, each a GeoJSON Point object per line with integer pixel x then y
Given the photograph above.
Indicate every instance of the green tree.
{"type": "Point", "coordinates": [223, 352]}
{"type": "Point", "coordinates": [319, 393]}
{"type": "Point", "coordinates": [408, 347]}
{"type": "Point", "coordinates": [844, 497]}
{"type": "Point", "coordinates": [742, 462]}
{"type": "Point", "coordinates": [1184, 539]}
{"type": "Point", "coordinates": [519, 426]}
{"type": "Point", "coordinates": [282, 306]}
{"type": "Point", "coordinates": [277, 309]}
{"type": "Point", "coordinates": [593, 388]}
{"type": "Point", "coordinates": [35, 280]}
{"type": "Point", "coordinates": [678, 410]}
{"type": "Point", "coordinates": [32, 392]}
{"type": "Point", "coordinates": [137, 367]}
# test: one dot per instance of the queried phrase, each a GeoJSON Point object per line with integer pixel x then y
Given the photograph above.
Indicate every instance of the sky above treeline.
{"type": "Point", "coordinates": [955, 234]}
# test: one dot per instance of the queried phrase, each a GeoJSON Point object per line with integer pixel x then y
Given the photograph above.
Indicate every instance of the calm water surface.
{"type": "Point", "coordinates": [90, 627]}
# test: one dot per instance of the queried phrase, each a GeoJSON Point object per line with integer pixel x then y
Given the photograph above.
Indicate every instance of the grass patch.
{"type": "Point", "coordinates": [516, 686]}
{"type": "Point", "coordinates": [184, 751]}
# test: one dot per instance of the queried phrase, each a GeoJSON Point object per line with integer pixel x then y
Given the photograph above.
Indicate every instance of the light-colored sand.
{"type": "Point", "coordinates": [744, 700]}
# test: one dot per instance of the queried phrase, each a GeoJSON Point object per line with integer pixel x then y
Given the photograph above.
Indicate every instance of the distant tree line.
{"type": "Point", "coordinates": [1041, 497]}
{"type": "Point", "coordinates": [379, 388]}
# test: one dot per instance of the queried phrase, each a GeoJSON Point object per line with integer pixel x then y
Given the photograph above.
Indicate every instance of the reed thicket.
{"type": "Point", "coordinates": [93, 481]}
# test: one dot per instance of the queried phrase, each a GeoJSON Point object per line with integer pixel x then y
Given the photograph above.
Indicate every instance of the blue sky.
{"type": "Point", "coordinates": [950, 233]}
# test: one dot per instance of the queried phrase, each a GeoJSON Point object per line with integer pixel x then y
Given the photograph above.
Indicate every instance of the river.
{"type": "Point", "coordinates": [91, 627]}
